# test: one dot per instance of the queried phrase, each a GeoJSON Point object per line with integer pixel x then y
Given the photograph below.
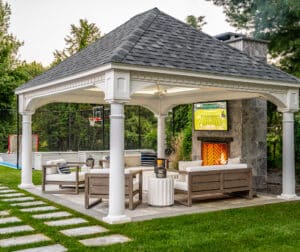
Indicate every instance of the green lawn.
{"type": "Point", "coordinates": [267, 228]}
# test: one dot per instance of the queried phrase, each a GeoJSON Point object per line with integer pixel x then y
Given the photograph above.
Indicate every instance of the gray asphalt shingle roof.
{"type": "Point", "coordinates": [156, 39]}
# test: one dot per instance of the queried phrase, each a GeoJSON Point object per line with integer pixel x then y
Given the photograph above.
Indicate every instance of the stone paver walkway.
{"type": "Point", "coordinates": [38, 209]}
{"type": "Point", "coordinates": [51, 215]}
{"type": "Point", "coordinates": [11, 195]}
{"type": "Point", "coordinates": [4, 213]}
{"type": "Point", "coordinates": [66, 222]}
{"type": "Point", "coordinates": [84, 231]}
{"type": "Point", "coordinates": [21, 240]}
{"type": "Point", "coordinates": [32, 206]}
{"type": "Point", "coordinates": [30, 203]}
{"type": "Point", "coordinates": [18, 199]}
{"type": "Point", "coordinates": [9, 220]}
{"type": "Point", "coordinates": [7, 191]}
{"type": "Point", "coordinates": [105, 240]}
{"type": "Point", "coordinates": [50, 248]}
{"type": "Point", "coordinates": [15, 229]}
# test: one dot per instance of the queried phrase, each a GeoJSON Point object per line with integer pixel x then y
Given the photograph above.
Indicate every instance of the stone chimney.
{"type": "Point", "coordinates": [254, 47]}
{"type": "Point", "coordinates": [254, 135]}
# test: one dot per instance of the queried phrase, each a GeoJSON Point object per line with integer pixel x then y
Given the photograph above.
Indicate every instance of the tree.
{"type": "Point", "coordinates": [277, 21]}
{"type": "Point", "coordinates": [79, 38]}
{"type": "Point", "coordinates": [9, 46]}
{"type": "Point", "coordinates": [196, 22]}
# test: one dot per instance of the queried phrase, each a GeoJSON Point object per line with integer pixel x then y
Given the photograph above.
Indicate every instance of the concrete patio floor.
{"type": "Point", "coordinates": [146, 212]}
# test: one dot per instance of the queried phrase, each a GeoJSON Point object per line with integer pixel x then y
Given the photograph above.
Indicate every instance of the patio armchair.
{"type": "Point", "coordinates": [97, 186]}
{"type": "Point", "coordinates": [68, 183]}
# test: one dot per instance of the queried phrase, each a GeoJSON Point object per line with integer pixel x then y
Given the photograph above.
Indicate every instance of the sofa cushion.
{"type": "Point", "coordinates": [66, 177]}
{"type": "Point", "coordinates": [180, 185]}
{"type": "Point", "coordinates": [217, 167]}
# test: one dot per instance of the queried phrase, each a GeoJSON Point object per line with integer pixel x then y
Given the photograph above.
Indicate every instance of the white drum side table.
{"type": "Point", "coordinates": [161, 191]}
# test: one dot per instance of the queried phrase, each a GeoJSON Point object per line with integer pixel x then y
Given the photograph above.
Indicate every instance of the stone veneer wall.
{"type": "Point", "coordinates": [247, 121]}
{"type": "Point", "coordinates": [254, 139]}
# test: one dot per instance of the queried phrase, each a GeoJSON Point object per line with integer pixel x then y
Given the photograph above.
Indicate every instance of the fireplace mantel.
{"type": "Point", "coordinates": [215, 139]}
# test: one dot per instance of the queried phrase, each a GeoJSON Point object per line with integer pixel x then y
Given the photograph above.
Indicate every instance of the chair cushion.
{"type": "Point", "coordinates": [66, 177]}
{"type": "Point", "coordinates": [63, 168]}
{"type": "Point", "coordinates": [135, 184]}
{"type": "Point", "coordinates": [180, 185]}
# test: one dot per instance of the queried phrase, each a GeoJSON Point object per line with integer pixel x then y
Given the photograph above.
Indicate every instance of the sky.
{"type": "Point", "coordinates": [43, 24]}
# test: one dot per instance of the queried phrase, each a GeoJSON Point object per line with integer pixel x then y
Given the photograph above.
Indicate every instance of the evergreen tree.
{"type": "Point", "coordinates": [196, 22]}
{"type": "Point", "coordinates": [80, 37]}
{"type": "Point", "coordinates": [277, 21]}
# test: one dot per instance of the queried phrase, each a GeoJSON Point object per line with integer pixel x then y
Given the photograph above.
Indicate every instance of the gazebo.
{"type": "Point", "coordinates": [156, 61]}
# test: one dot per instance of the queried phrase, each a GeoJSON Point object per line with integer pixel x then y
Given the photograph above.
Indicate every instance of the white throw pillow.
{"type": "Point", "coordinates": [53, 170]}
{"type": "Point", "coordinates": [236, 160]}
{"type": "Point", "coordinates": [182, 165]}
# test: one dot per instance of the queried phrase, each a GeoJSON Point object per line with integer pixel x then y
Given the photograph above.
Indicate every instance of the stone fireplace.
{"type": "Point", "coordinates": [245, 138]}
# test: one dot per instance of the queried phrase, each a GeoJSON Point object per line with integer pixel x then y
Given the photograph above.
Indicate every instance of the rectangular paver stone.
{"type": "Point", "coordinates": [10, 195]}
{"type": "Point", "coordinates": [50, 248]}
{"type": "Point", "coordinates": [38, 209]}
{"type": "Point", "coordinates": [30, 203]}
{"type": "Point", "coordinates": [21, 240]}
{"type": "Point", "coordinates": [66, 222]}
{"type": "Point", "coordinates": [105, 240]}
{"type": "Point", "coordinates": [18, 199]}
{"type": "Point", "coordinates": [7, 191]}
{"type": "Point", "coordinates": [51, 215]}
{"type": "Point", "coordinates": [9, 220]}
{"type": "Point", "coordinates": [4, 213]}
{"type": "Point", "coordinates": [3, 187]}
{"type": "Point", "coordinates": [15, 229]}
{"type": "Point", "coordinates": [84, 230]}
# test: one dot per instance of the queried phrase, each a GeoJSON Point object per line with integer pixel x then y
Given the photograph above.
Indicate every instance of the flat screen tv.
{"type": "Point", "coordinates": [210, 116]}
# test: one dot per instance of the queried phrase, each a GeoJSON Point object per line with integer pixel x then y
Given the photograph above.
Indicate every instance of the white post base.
{"type": "Point", "coordinates": [116, 219]}
{"type": "Point", "coordinates": [26, 186]}
{"type": "Point", "coordinates": [288, 197]}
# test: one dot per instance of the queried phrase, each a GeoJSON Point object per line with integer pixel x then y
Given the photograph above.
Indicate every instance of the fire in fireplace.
{"type": "Point", "coordinates": [214, 153]}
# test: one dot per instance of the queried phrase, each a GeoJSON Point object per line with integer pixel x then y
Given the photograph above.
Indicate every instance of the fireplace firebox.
{"type": "Point", "coordinates": [214, 153]}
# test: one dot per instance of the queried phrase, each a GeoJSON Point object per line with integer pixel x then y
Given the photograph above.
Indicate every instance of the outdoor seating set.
{"type": "Point", "coordinates": [191, 180]}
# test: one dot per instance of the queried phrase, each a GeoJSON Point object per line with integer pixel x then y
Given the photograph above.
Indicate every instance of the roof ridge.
{"type": "Point", "coordinates": [133, 38]}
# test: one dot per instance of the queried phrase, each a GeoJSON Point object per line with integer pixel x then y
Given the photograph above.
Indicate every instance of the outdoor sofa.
{"type": "Point", "coordinates": [195, 181]}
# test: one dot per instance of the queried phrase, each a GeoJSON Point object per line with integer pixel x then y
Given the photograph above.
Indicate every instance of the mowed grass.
{"type": "Point", "coordinates": [266, 228]}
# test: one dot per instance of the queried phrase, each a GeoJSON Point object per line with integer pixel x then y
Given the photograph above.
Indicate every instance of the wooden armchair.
{"type": "Point", "coordinates": [68, 183]}
{"type": "Point", "coordinates": [97, 186]}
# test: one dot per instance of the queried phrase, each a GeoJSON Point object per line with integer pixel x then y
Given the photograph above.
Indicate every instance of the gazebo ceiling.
{"type": "Point", "coordinates": [155, 39]}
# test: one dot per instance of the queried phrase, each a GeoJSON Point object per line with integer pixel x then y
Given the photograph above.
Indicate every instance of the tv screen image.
{"type": "Point", "coordinates": [210, 116]}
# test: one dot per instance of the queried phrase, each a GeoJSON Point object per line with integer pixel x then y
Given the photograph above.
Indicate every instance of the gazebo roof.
{"type": "Point", "coordinates": [155, 39]}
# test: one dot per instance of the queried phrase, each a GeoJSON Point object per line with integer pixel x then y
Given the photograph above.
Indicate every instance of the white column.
{"type": "Point", "coordinates": [288, 156]}
{"type": "Point", "coordinates": [26, 178]}
{"type": "Point", "coordinates": [116, 211]}
{"type": "Point", "coordinates": [161, 135]}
